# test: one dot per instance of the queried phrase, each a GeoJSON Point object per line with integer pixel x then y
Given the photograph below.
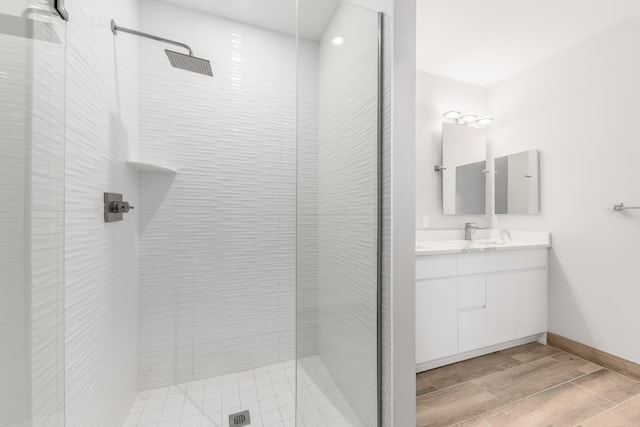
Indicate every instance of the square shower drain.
{"type": "Point", "coordinates": [239, 419]}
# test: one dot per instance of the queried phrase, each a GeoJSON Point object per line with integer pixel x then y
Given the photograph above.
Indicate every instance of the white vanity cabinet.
{"type": "Point", "coordinates": [469, 304]}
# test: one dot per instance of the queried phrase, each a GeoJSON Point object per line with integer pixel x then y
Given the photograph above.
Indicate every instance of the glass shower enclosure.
{"type": "Point", "coordinates": [255, 243]}
{"type": "Point", "coordinates": [32, 48]}
{"type": "Point", "coordinates": [339, 213]}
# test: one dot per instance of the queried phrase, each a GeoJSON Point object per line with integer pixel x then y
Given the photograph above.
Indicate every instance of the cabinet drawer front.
{"type": "Point", "coordinates": [475, 263]}
{"type": "Point", "coordinates": [472, 292]}
{"type": "Point", "coordinates": [432, 266]}
{"type": "Point", "coordinates": [516, 259]}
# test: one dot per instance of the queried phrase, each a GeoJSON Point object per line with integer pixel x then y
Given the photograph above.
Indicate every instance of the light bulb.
{"type": "Point", "coordinates": [452, 114]}
{"type": "Point", "coordinates": [483, 121]}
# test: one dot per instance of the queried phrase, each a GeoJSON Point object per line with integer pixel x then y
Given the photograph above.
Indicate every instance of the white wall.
{"type": "Point", "coordinates": [435, 96]}
{"type": "Point", "coordinates": [101, 271]}
{"type": "Point", "coordinates": [580, 110]}
{"type": "Point", "coordinates": [401, 401]}
{"type": "Point", "coordinates": [217, 241]}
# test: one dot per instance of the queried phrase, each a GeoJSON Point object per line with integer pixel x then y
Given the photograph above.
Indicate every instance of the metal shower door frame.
{"type": "Point", "coordinates": [380, 213]}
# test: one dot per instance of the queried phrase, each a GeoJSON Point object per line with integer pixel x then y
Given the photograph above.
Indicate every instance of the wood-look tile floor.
{"type": "Point", "coordinates": [531, 385]}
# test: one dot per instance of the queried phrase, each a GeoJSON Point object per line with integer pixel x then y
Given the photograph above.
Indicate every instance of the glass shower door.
{"type": "Point", "coordinates": [32, 71]}
{"type": "Point", "coordinates": [337, 219]}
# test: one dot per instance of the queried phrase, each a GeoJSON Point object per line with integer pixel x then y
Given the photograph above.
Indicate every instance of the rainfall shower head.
{"type": "Point", "coordinates": [189, 63]}
{"type": "Point", "coordinates": [178, 60]}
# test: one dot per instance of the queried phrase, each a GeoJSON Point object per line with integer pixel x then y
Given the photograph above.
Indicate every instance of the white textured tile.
{"type": "Point", "coordinates": [213, 382]}
{"type": "Point", "coordinates": [196, 395]}
{"type": "Point", "coordinates": [138, 406]}
{"type": "Point", "coordinates": [204, 312]}
{"type": "Point", "coordinates": [171, 413]}
{"type": "Point", "coordinates": [191, 410]}
{"type": "Point", "coordinates": [265, 392]}
{"type": "Point", "coordinates": [101, 273]}
{"type": "Point", "coordinates": [132, 420]}
{"type": "Point", "coordinates": [248, 396]}
{"type": "Point", "coordinates": [245, 374]}
{"type": "Point", "coordinates": [177, 399]}
{"type": "Point", "coordinates": [269, 404]}
{"type": "Point", "coordinates": [230, 401]}
{"type": "Point", "coordinates": [150, 417]}
{"type": "Point", "coordinates": [213, 405]}
{"type": "Point", "coordinates": [230, 388]}
{"type": "Point", "coordinates": [158, 392]}
{"type": "Point", "coordinates": [155, 403]}
{"type": "Point", "coordinates": [191, 422]}
{"type": "Point", "coordinates": [288, 411]}
{"type": "Point", "coordinates": [246, 384]}
{"type": "Point", "coordinates": [230, 378]}
{"type": "Point", "coordinates": [262, 380]}
{"type": "Point", "coordinates": [271, 418]}
{"type": "Point", "coordinates": [318, 410]}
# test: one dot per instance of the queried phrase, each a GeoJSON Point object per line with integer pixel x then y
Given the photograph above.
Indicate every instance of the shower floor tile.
{"type": "Point", "coordinates": [267, 392]}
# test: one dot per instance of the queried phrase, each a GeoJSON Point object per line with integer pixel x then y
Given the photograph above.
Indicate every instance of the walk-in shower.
{"type": "Point", "coordinates": [245, 286]}
{"type": "Point", "coordinates": [177, 59]}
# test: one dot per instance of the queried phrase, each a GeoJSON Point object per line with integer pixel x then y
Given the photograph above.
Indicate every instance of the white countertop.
{"type": "Point", "coordinates": [441, 242]}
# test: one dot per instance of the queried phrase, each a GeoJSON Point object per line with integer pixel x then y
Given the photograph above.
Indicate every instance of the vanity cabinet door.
{"type": "Point", "coordinates": [502, 308]}
{"type": "Point", "coordinates": [532, 302]}
{"type": "Point", "coordinates": [436, 318]}
{"type": "Point", "coordinates": [471, 329]}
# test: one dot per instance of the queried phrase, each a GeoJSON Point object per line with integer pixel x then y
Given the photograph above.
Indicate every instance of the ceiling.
{"type": "Point", "coordinates": [277, 15]}
{"type": "Point", "coordinates": [485, 42]}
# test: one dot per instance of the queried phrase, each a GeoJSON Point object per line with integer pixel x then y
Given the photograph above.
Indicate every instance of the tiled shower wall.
{"type": "Point", "coordinates": [217, 240]}
{"type": "Point", "coordinates": [101, 297]}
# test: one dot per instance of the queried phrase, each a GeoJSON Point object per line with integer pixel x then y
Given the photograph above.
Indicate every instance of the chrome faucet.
{"type": "Point", "coordinates": [469, 229]}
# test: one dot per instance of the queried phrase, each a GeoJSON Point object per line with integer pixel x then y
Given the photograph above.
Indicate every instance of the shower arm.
{"type": "Point", "coordinates": [115, 28]}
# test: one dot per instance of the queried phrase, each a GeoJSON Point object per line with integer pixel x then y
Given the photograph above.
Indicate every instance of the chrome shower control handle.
{"type": "Point", "coordinates": [120, 207]}
{"type": "Point", "coordinates": [115, 207]}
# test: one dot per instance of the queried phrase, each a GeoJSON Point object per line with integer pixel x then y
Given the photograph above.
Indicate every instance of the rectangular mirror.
{"type": "Point", "coordinates": [464, 162]}
{"type": "Point", "coordinates": [517, 184]}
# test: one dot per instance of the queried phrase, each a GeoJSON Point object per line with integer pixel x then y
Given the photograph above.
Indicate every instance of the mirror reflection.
{"type": "Point", "coordinates": [464, 163]}
{"type": "Point", "coordinates": [517, 184]}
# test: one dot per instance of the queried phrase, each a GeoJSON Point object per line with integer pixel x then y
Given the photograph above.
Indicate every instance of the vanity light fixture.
{"type": "Point", "coordinates": [452, 115]}
{"type": "Point", "coordinates": [484, 121]}
{"type": "Point", "coordinates": [468, 118]}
